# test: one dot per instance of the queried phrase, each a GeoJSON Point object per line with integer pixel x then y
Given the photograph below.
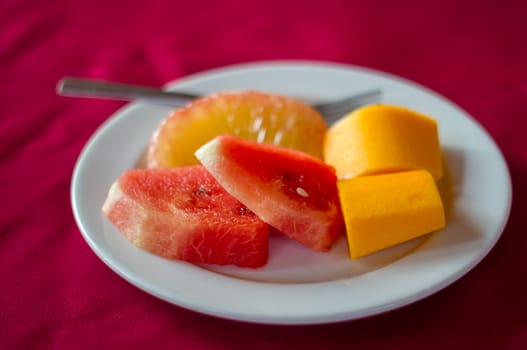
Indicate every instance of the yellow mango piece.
{"type": "Point", "coordinates": [383, 138]}
{"type": "Point", "coordinates": [383, 210]}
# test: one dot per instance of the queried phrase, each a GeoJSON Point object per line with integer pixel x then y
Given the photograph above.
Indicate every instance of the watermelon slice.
{"type": "Point", "coordinates": [184, 214]}
{"type": "Point", "coordinates": [292, 191]}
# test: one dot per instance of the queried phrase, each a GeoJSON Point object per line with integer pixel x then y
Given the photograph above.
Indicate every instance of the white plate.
{"type": "Point", "coordinates": [299, 286]}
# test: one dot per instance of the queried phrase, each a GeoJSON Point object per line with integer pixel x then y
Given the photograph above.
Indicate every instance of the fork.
{"type": "Point", "coordinates": [80, 87]}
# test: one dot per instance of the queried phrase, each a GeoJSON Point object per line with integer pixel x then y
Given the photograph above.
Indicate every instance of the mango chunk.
{"type": "Point", "coordinates": [384, 210]}
{"type": "Point", "coordinates": [383, 138]}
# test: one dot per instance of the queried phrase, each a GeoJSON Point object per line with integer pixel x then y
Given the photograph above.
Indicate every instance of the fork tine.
{"type": "Point", "coordinates": [350, 99]}
{"type": "Point", "coordinates": [342, 105]}
{"type": "Point", "coordinates": [335, 113]}
{"type": "Point", "coordinates": [335, 109]}
{"type": "Point", "coordinates": [344, 108]}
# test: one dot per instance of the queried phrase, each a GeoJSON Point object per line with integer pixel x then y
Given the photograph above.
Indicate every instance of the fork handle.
{"type": "Point", "coordinates": [81, 87]}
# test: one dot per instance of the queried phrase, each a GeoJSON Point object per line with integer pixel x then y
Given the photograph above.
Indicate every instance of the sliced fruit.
{"type": "Point", "coordinates": [184, 214]}
{"type": "Point", "coordinates": [383, 210]}
{"type": "Point", "coordinates": [251, 115]}
{"type": "Point", "coordinates": [292, 191]}
{"type": "Point", "coordinates": [383, 138]}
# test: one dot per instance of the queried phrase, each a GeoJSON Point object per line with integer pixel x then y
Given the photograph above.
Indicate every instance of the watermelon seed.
{"type": "Point", "coordinates": [243, 210]}
{"type": "Point", "coordinates": [202, 191]}
{"type": "Point", "coordinates": [302, 192]}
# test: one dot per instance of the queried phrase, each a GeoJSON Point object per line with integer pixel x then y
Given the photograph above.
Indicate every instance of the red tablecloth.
{"type": "Point", "coordinates": [55, 293]}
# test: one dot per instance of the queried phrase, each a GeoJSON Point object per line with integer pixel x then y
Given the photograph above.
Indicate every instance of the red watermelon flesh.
{"type": "Point", "coordinates": [184, 214]}
{"type": "Point", "coordinates": [290, 190]}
